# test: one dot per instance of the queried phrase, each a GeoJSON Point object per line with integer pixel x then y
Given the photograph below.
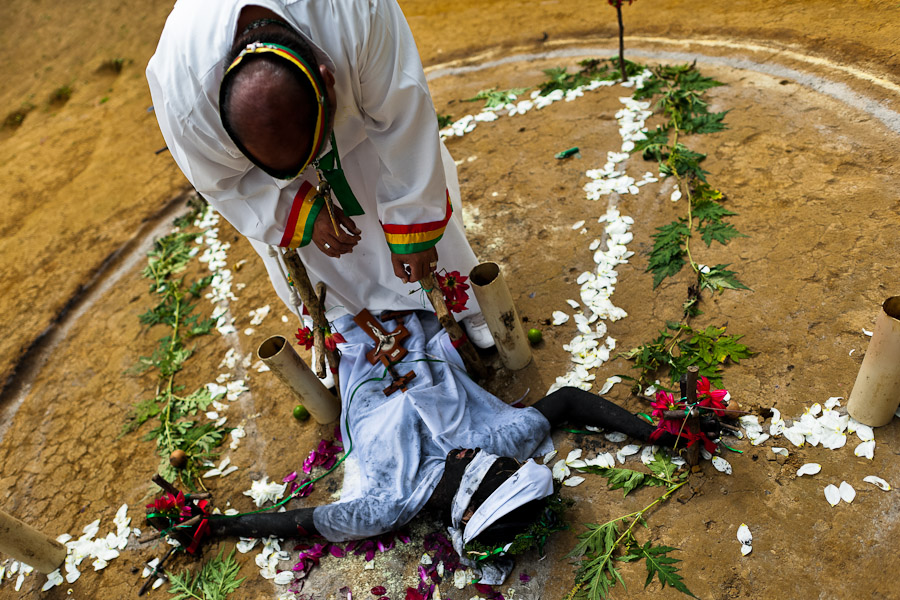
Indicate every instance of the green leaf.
{"type": "Point", "coordinates": [719, 278]}
{"type": "Point", "coordinates": [707, 210]}
{"type": "Point", "coordinates": [666, 257]}
{"type": "Point", "coordinates": [720, 232]}
{"type": "Point", "coordinates": [141, 413]}
{"type": "Point", "coordinates": [662, 566]}
{"type": "Point", "coordinates": [494, 97]}
{"type": "Point", "coordinates": [215, 581]}
{"type": "Point", "coordinates": [662, 467]}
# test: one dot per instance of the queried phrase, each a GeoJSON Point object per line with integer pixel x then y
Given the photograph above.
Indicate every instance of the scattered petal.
{"type": "Point", "coordinates": [878, 481]}
{"type": "Point", "coordinates": [847, 492]}
{"type": "Point", "coordinates": [746, 549]}
{"type": "Point", "coordinates": [809, 469]}
{"type": "Point", "coordinates": [743, 534]}
{"type": "Point", "coordinates": [615, 437]}
{"type": "Point", "coordinates": [866, 450]}
{"type": "Point", "coordinates": [573, 481]}
{"type": "Point", "coordinates": [559, 317]}
{"type": "Point", "coordinates": [780, 451]}
{"type": "Point", "coordinates": [867, 332]}
{"type": "Point", "coordinates": [832, 494]}
{"type": "Point", "coordinates": [723, 466]}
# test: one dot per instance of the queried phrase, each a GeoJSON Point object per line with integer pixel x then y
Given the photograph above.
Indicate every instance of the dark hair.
{"type": "Point", "coordinates": [282, 36]}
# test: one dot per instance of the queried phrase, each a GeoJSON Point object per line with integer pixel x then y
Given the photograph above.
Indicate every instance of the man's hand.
{"type": "Point", "coordinates": [412, 267]}
{"type": "Point", "coordinates": [324, 238]}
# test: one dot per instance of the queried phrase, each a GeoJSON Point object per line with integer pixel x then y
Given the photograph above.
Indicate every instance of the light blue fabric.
{"type": "Point", "coordinates": [400, 442]}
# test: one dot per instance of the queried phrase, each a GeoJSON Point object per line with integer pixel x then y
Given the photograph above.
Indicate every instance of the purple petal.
{"type": "Point", "coordinates": [370, 555]}
{"type": "Point", "coordinates": [290, 477]}
{"type": "Point", "coordinates": [378, 590]}
{"type": "Point", "coordinates": [336, 551]}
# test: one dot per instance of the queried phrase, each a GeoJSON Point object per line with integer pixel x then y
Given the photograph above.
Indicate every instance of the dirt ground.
{"type": "Point", "coordinates": [808, 163]}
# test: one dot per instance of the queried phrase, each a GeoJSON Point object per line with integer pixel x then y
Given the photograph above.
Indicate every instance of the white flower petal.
{"type": "Point", "coordinates": [878, 481]}
{"type": "Point", "coordinates": [549, 456]}
{"type": "Point", "coordinates": [866, 450]}
{"type": "Point", "coordinates": [573, 481]}
{"type": "Point", "coordinates": [780, 451]}
{"type": "Point", "coordinates": [746, 549]}
{"type": "Point", "coordinates": [809, 469]}
{"type": "Point", "coordinates": [578, 224]}
{"type": "Point", "coordinates": [743, 534]}
{"type": "Point", "coordinates": [284, 578]}
{"type": "Point", "coordinates": [723, 466]}
{"type": "Point", "coordinates": [867, 332]}
{"type": "Point", "coordinates": [559, 317]}
{"type": "Point", "coordinates": [615, 437]}
{"type": "Point", "coordinates": [832, 494]}
{"type": "Point", "coordinates": [630, 450]}
{"type": "Point", "coordinates": [847, 492]}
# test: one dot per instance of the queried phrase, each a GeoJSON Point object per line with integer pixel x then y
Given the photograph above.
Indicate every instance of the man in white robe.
{"type": "Point", "coordinates": [388, 145]}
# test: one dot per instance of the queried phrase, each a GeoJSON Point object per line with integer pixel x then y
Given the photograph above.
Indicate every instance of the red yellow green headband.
{"type": "Point", "coordinates": [313, 77]}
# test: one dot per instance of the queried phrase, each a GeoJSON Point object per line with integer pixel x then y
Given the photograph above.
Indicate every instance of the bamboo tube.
{"type": "Point", "coordinates": [28, 545]}
{"type": "Point", "coordinates": [304, 287]}
{"type": "Point", "coordinates": [466, 350]}
{"type": "Point", "coordinates": [287, 365]}
{"type": "Point", "coordinates": [876, 393]}
{"type": "Point", "coordinates": [500, 314]}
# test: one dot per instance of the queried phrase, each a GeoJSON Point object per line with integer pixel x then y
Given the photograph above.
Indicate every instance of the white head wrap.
{"type": "Point", "coordinates": [530, 482]}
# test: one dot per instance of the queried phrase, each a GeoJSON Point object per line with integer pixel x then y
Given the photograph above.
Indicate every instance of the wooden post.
{"type": "Point", "coordinates": [28, 545]}
{"type": "Point", "coordinates": [462, 344]}
{"type": "Point", "coordinates": [689, 391]}
{"type": "Point", "coordinates": [316, 310]}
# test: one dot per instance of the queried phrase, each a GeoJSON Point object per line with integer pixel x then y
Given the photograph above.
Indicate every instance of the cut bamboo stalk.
{"type": "Point", "coordinates": [316, 310]}
{"type": "Point", "coordinates": [876, 393]}
{"type": "Point", "coordinates": [28, 545]}
{"type": "Point", "coordinates": [461, 342]}
{"type": "Point", "coordinates": [500, 314]}
{"type": "Point", "coordinates": [287, 365]}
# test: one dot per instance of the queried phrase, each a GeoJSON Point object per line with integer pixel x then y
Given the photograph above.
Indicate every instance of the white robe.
{"type": "Point", "coordinates": [385, 127]}
{"type": "Point", "coordinates": [400, 442]}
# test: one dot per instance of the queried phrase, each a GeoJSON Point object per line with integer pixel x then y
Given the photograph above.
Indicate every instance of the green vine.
{"type": "Point", "coordinates": [681, 89]}
{"type": "Point", "coordinates": [177, 429]}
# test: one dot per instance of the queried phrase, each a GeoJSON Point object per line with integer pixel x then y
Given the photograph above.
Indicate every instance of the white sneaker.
{"type": "Point", "coordinates": [328, 380]}
{"type": "Point", "coordinates": [478, 331]}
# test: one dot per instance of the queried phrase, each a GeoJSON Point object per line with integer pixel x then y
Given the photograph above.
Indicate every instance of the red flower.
{"type": "Point", "coordinates": [710, 398]}
{"type": "Point", "coordinates": [664, 401]}
{"type": "Point", "coordinates": [456, 305]}
{"type": "Point", "coordinates": [332, 339]}
{"type": "Point", "coordinates": [170, 506]}
{"type": "Point", "coordinates": [454, 285]}
{"type": "Point", "coordinates": [305, 338]}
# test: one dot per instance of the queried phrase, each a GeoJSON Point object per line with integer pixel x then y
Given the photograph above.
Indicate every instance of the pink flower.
{"type": "Point", "coordinates": [664, 401]}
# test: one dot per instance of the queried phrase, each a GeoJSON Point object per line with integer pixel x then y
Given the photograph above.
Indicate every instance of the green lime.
{"type": "Point", "coordinates": [300, 413]}
{"type": "Point", "coordinates": [535, 335]}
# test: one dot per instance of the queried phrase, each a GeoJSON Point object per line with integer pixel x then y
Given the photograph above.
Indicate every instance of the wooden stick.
{"type": "Point", "coordinates": [30, 546]}
{"type": "Point", "coordinates": [304, 287]}
{"type": "Point", "coordinates": [693, 421]}
{"type": "Point", "coordinates": [462, 344]}
{"type": "Point", "coordinates": [157, 572]}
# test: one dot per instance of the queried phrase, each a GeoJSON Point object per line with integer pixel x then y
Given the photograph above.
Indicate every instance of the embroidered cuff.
{"type": "Point", "coordinates": [304, 211]}
{"type": "Point", "coordinates": [408, 239]}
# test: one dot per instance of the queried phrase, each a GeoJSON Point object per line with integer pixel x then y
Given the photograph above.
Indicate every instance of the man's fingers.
{"type": "Point", "coordinates": [347, 223]}
{"type": "Point", "coordinates": [399, 268]}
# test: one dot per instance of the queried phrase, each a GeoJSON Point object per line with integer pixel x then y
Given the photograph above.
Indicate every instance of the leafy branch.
{"type": "Point", "coordinates": [601, 546]}
{"type": "Point", "coordinates": [177, 429]}
{"type": "Point", "coordinates": [217, 578]}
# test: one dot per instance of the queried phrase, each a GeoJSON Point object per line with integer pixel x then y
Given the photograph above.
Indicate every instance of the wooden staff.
{"type": "Point", "coordinates": [316, 310]}
{"type": "Point", "coordinates": [460, 341]}
{"type": "Point", "coordinates": [689, 391]}
{"type": "Point", "coordinates": [28, 545]}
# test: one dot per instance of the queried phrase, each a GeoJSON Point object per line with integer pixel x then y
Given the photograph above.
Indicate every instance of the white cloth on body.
{"type": "Point", "coordinates": [400, 442]}
{"type": "Point", "coordinates": [385, 127]}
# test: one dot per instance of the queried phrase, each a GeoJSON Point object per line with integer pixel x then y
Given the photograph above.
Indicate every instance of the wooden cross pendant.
{"type": "Point", "coordinates": [388, 349]}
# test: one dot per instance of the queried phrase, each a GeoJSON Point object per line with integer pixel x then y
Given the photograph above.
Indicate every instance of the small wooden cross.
{"type": "Point", "coordinates": [388, 349]}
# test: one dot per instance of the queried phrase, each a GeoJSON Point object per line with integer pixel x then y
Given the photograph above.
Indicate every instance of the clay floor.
{"type": "Point", "coordinates": [808, 163]}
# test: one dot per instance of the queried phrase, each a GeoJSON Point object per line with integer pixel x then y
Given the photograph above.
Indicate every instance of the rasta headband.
{"type": "Point", "coordinates": [322, 115]}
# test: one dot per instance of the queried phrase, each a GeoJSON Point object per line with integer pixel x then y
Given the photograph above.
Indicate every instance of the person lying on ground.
{"type": "Point", "coordinates": [444, 445]}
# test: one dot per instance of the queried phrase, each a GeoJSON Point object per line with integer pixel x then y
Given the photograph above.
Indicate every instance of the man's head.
{"type": "Point", "coordinates": [275, 100]}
